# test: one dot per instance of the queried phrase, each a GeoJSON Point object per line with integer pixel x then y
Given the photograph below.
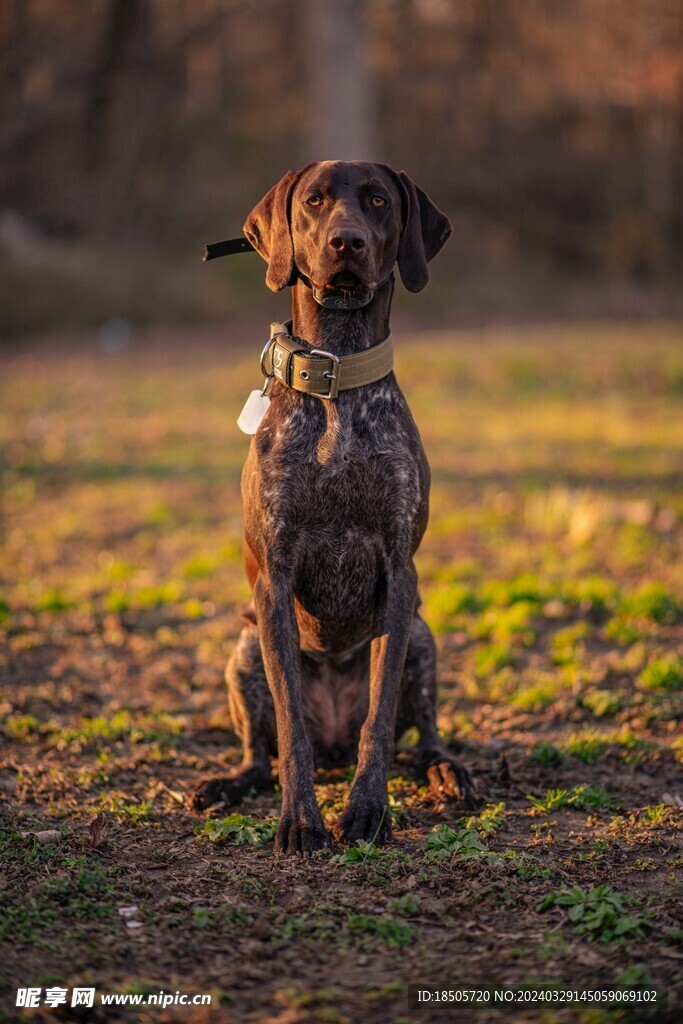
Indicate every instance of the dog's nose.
{"type": "Point", "coordinates": [345, 240]}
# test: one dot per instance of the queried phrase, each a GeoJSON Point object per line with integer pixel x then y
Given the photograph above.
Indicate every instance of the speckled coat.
{"type": "Point", "coordinates": [334, 661]}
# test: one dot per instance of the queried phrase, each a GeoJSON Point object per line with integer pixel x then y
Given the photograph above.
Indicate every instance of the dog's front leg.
{"type": "Point", "coordinates": [301, 829]}
{"type": "Point", "coordinates": [366, 815]}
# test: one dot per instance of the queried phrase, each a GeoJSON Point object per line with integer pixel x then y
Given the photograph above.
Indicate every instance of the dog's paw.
{"type": "Point", "coordinates": [450, 780]}
{"type": "Point", "coordinates": [227, 789]}
{"type": "Point", "coordinates": [365, 817]}
{"type": "Point", "coordinates": [301, 834]}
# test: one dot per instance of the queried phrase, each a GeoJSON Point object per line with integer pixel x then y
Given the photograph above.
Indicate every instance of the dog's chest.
{"type": "Point", "coordinates": [335, 500]}
{"type": "Point", "coordinates": [343, 474]}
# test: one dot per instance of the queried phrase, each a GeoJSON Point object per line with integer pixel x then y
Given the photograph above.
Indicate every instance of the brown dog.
{"type": "Point", "coordinates": [334, 662]}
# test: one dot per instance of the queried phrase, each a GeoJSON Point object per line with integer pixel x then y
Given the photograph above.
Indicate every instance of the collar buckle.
{"type": "Point", "coordinates": [331, 375]}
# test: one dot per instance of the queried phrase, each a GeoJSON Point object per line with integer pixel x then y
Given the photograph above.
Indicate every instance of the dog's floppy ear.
{"type": "Point", "coordinates": [268, 229]}
{"type": "Point", "coordinates": [425, 231]}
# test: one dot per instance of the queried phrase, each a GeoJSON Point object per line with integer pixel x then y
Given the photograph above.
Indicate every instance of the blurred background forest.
{"type": "Point", "coordinates": [551, 131]}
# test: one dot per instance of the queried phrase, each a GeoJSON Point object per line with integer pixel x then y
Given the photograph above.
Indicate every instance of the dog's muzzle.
{"type": "Point", "coordinates": [340, 300]}
{"type": "Point", "coordinates": [337, 299]}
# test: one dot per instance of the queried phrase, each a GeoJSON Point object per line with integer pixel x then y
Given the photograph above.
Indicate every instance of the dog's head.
{"type": "Point", "coordinates": [343, 226]}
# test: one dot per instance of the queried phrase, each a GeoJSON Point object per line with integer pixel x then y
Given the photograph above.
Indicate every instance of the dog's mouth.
{"type": "Point", "coordinates": [348, 282]}
{"type": "Point", "coordinates": [343, 290]}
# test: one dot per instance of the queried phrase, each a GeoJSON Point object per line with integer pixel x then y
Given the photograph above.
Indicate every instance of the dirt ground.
{"type": "Point", "coordinates": [552, 573]}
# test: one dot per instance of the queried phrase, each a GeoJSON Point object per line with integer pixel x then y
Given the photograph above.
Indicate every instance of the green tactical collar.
{"type": "Point", "coordinates": [315, 371]}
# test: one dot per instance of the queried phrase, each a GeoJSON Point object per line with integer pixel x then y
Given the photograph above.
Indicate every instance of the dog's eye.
{"type": "Point", "coordinates": [378, 201]}
{"type": "Point", "coordinates": [315, 200]}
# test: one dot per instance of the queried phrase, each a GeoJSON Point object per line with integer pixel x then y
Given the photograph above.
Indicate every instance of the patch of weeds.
{"type": "Point", "coordinates": [508, 624]}
{"type": "Point", "coordinates": [443, 842]}
{"type": "Point", "coordinates": [84, 894]}
{"type": "Point", "coordinates": [25, 922]}
{"type": "Point", "coordinates": [361, 852]}
{"type": "Point", "coordinates": [201, 917]}
{"type": "Point", "coordinates": [117, 601]}
{"type": "Point", "coordinates": [567, 646]}
{"type": "Point", "coordinates": [653, 601]}
{"type": "Point", "coordinates": [23, 728]}
{"type": "Point", "coordinates": [491, 819]}
{"type": "Point", "coordinates": [200, 567]}
{"type": "Point", "coordinates": [644, 864]}
{"type": "Point", "coordinates": [527, 588]}
{"type": "Point", "coordinates": [593, 595]}
{"type": "Point", "coordinates": [123, 725]}
{"type": "Point", "coordinates": [634, 544]}
{"type": "Point", "coordinates": [601, 703]}
{"type": "Point", "coordinates": [583, 798]}
{"type": "Point", "coordinates": [548, 754]}
{"type": "Point", "coordinates": [635, 976]}
{"type": "Point", "coordinates": [397, 811]}
{"type": "Point", "coordinates": [230, 915]}
{"type": "Point", "coordinates": [4, 610]}
{"type": "Point", "coordinates": [193, 608]}
{"type": "Point", "coordinates": [491, 658]}
{"type": "Point", "coordinates": [662, 674]}
{"type": "Point", "coordinates": [526, 866]}
{"type": "Point", "coordinates": [600, 913]}
{"type": "Point", "coordinates": [657, 814]}
{"type": "Point", "coordinates": [118, 569]}
{"type": "Point", "coordinates": [316, 926]}
{"type": "Point", "coordinates": [17, 850]}
{"type": "Point", "coordinates": [625, 631]}
{"type": "Point", "coordinates": [124, 808]}
{"type": "Point", "coordinates": [627, 740]}
{"type": "Point", "coordinates": [389, 931]}
{"type": "Point", "coordinates": [445, 603]}
{"type": "Point", "coordinates": [407, 905]}
{"type": "Point", "coordinates": [121, 601]}
{"type": "Point", "coordinates": [54, 601]}
{"type": "Point", "coordinates": [240, 829]}
{"type": "Point", "coordinates": [535, 696]}
{"type": "Point", "coordinates": [603, 844]}
{"type": "Point", "coordinates": [588, 744]}
{"type": "Point", "coordinates": [156, 596]}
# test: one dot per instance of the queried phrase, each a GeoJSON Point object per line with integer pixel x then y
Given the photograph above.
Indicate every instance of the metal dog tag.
{"type": "Point", "coordinates": [255, 408]}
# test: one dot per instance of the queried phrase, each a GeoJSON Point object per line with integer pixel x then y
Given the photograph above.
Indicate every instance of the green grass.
{"type": "Point", "coordinates": [551, 570]}
{"type": "Point", "coordinates": [444, 842]}
{"type": "Point", "coordinates": [491, 658]}
{"type": "Point", "coordinates": [602, 703]}
{"type": "Point", "coordinates": [583, 798]}
{"type": "Point", "coordinates": [656, 602]}
{"type": "Point", "coordinates": [491, 819]}
{"type": "Point", "coordinates": [387, 930]}
{"type": "Point", "coordinates": [360, 852]}
{"type": "Point", "coordinates": [548, 754]}
{"type": "Point", "coordinates": [599, 914]}
{"type": "Point", "coordinates": [536, 696]}
{"type": "Point", "coordinates": [662, 674]}
{"type": "Point", "coordinates": [238, 829]}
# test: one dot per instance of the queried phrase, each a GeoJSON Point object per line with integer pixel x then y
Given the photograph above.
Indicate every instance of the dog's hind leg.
{"type": "Point", "coordinates": [417, 707]}
{"type": "Point", "coordinates": [253, 717]}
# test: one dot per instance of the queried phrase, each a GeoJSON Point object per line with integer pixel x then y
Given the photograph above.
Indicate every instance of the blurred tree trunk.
{"type": "Point", "coordinates": [125, 26]}
{"type": "Point", "coordinates": [341, 92]}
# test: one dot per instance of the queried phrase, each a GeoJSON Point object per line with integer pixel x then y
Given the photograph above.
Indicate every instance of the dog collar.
{"type": "Point", "coordinates": [315, 371]}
